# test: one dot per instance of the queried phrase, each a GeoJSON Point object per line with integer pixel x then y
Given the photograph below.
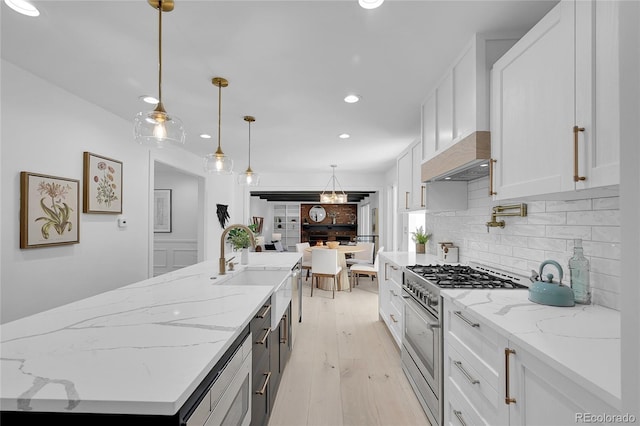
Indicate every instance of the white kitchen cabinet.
{"type": "Point", "coordinates": [417, 187]}
{"type": "Point", "coordinates": [410, 187]}
{"type": "Point", "coordinates": [391, 305]}
{"type": "Point", "coordinates": [459, 104]}
{"type": "Point", "coordinates": [544, 396]}
{"type": "Point", "coordinates": [542, 88]}
{"type": "Point", "coordinates": [483, 369]}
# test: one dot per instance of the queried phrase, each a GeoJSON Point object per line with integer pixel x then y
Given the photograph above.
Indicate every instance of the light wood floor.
{"type": "Point", "coordinates": [345, 367]}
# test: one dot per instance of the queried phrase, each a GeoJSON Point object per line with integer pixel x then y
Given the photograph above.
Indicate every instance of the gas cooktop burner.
{"type": "Point", "coordinates": [462, 276]}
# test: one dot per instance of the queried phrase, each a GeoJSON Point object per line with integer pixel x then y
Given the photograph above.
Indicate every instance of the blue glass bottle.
{"type": "Point", "coordinates": [579, 273]}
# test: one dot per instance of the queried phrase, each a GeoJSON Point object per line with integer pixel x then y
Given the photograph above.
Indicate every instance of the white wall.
{"type": "Point", "coordinates": [178, 248]}
{"type": "Point", "coordinates": [45, 130]}
{"type": "Point", "coordinates": [546, 233]}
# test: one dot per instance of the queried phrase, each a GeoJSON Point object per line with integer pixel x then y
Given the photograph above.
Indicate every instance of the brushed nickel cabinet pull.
{"type": "Point", "coordinates": [393, 318]}
{"type": "Point", "coordinates": [284, 330]}
{"type": "Point", "coordinates": [491, 163]}
{"type": "Point", "coordinates": [394, 267]}
{"type": "Point", "coordinates": [406, 200]}
{"type": "Point", "coordinates": [265, 312]}
{"type": "Point", "coordinates": [386, 268]}
{"type": "Point", "coordinates": [263, 389]}
{"type": "Point", "coordinates": [459, 416]}
{"type": "Point", "coordinates": [576, 177]}
{"type": "Point", "coordinates": [465, 319]}
{"type": "Point", "coordinates": [507, 398]}
{"type": "Point", "coordinates": [423, 190]}
{"type": "Point", "coordinates": [264, 337]}
{"type": "Point", "coordinates": [466, 374]}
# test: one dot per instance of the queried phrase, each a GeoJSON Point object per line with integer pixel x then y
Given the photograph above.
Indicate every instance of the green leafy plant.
{"type": "Point", "coordinates": [239, 238]}
{"type": "Point", "coordinates": [420, 236]}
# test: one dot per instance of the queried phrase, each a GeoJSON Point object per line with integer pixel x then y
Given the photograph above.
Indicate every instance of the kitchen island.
{"type": "Point", "coordinates": [141, 349]}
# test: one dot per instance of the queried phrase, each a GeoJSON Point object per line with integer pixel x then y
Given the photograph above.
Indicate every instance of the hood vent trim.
{"type": "Point", "coordinates": [460, 162]}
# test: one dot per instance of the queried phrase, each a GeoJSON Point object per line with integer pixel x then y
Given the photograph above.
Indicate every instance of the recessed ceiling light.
{"type": "Point", "coordinates": [149, 99]}
{"type": "Point", "coordinates": [447, 178]}
{"type": "Point", "coordinates": [344, 136]}
{"type": "Point", "coordinates": [23, 7]}
{"type": "Point", "coordinates": [484, 165]}
{"type": "Point", "coordinates": [205, 136]}
{"type": "Point", "coordinates": [370, 4]}
{"type": "Point", "coordinates": [351, 99]}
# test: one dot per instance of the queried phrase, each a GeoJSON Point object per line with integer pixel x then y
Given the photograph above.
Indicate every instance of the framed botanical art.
{"type": "Point", "coordinates": [162, 210]}
{"type": "Point", "coordinates": [102, 187]}
{"type": "Point", "coordinates": [49, 210]}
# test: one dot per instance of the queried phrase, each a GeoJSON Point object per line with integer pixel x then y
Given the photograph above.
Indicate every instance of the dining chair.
{"type": "Point", "coordinates": [364, 269]}
{"type": "Point", "coordinates": [306, 257]}
{"type": "Point", "coordinates": [324, 263]}
{"type": "Point", "coordinates": [365, 256]}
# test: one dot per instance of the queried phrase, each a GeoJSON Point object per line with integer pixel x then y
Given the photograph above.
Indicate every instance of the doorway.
{"type": "Point", "coordinates": [177, 216]}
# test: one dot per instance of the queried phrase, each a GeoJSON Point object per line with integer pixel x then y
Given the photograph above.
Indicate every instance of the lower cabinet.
{"type": "Point", "coordinates": [490, 380]}
{"type": "Point", "coordinates": [391, 306]}
{"type": "Point", "coordinates": [271, 352]}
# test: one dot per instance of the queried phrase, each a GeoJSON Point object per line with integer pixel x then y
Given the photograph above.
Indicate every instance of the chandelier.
{"type": "Point", "coordinates": [333, 197]}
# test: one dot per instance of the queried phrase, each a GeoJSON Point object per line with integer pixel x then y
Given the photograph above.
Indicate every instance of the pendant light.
{"type": "Point", "coordinates": [157, 128]}
{"type": "Point", "coordinates": [249, 177]}
{"type": "Point", "coordinates": [218, 162]}
{"type": "Point", "coordinates": [333, 197]}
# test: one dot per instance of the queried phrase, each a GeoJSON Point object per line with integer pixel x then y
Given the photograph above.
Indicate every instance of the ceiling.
{"type": "Point", "coordinates": [289, 64]}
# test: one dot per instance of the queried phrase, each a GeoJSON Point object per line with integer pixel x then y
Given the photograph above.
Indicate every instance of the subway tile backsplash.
{"type": "Point", "coordinates": [546, 233]}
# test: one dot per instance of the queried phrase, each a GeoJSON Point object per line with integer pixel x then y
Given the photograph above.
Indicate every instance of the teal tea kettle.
{"type": "Point", "coordinates": [550, 293]}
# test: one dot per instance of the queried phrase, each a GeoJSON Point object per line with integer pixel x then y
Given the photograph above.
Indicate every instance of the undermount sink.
{"type": "Point", "coordinates": [254, 277]}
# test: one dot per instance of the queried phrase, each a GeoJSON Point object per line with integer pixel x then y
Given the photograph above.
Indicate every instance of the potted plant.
{"type": "Point", "coordinates": [239, 239]}
{"type": "Point", "coordinates": [420, 237]}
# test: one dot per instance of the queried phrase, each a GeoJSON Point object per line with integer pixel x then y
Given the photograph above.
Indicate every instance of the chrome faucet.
{"type": "Point", "coordinates": [222, 238]}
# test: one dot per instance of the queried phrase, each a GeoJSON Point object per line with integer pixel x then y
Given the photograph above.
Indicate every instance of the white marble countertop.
{"type": "Point", "coordinates": [139, 349]}
{"type": "Point", "coordinates": [582, 342]}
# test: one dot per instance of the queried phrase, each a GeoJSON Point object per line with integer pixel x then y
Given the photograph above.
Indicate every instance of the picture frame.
{"type": "Point", "coordinates": [102, 186]}
{"type": "Point", "coordinates": [162, 211]}
{"type": "Point", "coordinates": [49, 210]}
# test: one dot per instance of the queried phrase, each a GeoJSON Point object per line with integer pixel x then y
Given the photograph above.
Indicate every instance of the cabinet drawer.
{"type": "Point", "coordinates": [395, 323]}
{"type": "Point", "coordinates": [395, 296]}
{"type": "Point", "coordinates": [459, 412]}
{"type": "Point", "coordinates": [481, 345]}
{"type": "Point", "coordinates": [484, 397]}
{"type": "Point", "coordinates": [261, 343]}
{"type": "Point", "coordinates": [393, 272]}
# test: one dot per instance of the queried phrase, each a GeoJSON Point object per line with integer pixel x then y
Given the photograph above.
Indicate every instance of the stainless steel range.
{"type": "Point", "coordinates": [423, 337]}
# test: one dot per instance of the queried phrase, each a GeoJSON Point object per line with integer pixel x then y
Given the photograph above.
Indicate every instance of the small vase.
{"type": "Point", "coordinates": [244, 256]}
{"type": "Point", "coordinates": [420, 248]}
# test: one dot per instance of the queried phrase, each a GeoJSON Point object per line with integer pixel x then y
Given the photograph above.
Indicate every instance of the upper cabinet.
{"type": "Point", "coordinates": [459, 105]}
{"type": "Point", "coordinates": [555, 105]}
{"type": "Point", "coordinates": [410, 188]}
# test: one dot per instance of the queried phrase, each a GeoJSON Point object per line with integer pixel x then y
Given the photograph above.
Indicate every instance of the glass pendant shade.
{"type": "Point", "coordinates": [249, 177]}
{"type": "Point", "coordinates": [333, 197]}
{"type": "Point", "coordinates": [157, 128]}
{"type": "Point", "coordinates": [218, 163]}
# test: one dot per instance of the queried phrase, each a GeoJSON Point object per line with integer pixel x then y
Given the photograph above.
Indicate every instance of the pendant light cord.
{"type": "Point", "coordinates": [249, 144]}
{"type": "Point", "coordinates": [219, 112]}
{"type": "Point", "coordinates": [160, 52]}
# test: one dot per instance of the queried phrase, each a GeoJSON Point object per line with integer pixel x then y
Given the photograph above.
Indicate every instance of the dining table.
{"type": "Point", "coordinates": [325, 283]}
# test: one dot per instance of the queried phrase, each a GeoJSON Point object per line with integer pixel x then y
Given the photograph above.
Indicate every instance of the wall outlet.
{"type": "Point", "coordinates": [122, 222]}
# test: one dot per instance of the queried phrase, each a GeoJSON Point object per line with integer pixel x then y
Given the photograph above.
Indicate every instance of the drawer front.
{"type": "Point", "coordinates": [461, 375]}
{"type": "Point", "coordinates": [481, 345]}
{"type": "Point", "coordinates": [395, 322]}
{"type": "Point", "coordinates": [395, 296]}
{"type": "Point", "coordinates": [261, 342]}
{"type": "Point", "coordinates": [459, 412]}
{"type": "Point", "coordinates": [393, 272]}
